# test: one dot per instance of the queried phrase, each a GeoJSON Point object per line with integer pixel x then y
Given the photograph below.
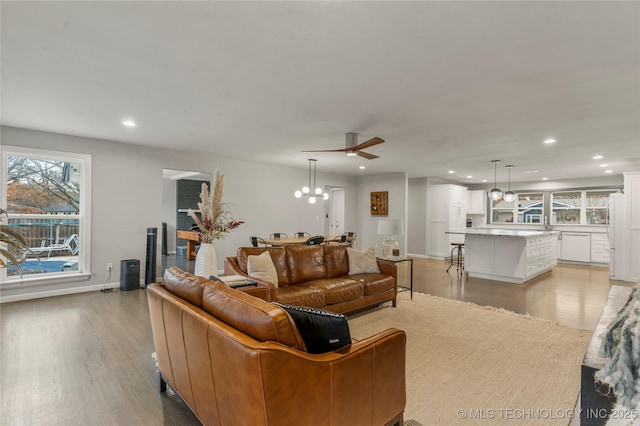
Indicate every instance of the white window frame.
{"type": "Point", "coordinates": [84, 212]}
{"type": "Point", "coordinates": [583, 206]}
{"type": "Point", "coordinates": [515, 210]}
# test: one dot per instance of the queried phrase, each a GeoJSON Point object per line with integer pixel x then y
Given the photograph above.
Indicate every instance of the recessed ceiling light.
{"type": "Point", "coordinates": [484, 180]}
{"type": "Point", "coordinates": [469, 177]}
{"type": "Point", "coordinates": [603, 165]}
{"type": "Point", "coordinates": [608, 171]}
{"type": "Point", "coordinates": [129, 123]}
{"type": "Point", "coordinates": [548, 141]}
{"type": "Point", "coordinates": [451, 172]}
{"type": "Point", "coordinates": [597, 157]}
{"type": "Point", "coordinates": [545, 178]}
{"type": "Point", "coordinates": [362, 167]}
{"type": "Point", "coordinates": [531, 171]}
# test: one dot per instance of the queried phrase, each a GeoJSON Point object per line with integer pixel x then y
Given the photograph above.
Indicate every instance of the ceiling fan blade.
{"type": "Point", "coordinates": [327, 150]}
{"type": "Point", "coordinates": [367, 155]}
{"type": "Point", "coordinates": [367, 144]}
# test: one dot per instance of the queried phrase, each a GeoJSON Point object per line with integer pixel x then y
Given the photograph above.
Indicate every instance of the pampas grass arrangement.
{"type": "Point", "coordinates": [216, 220]}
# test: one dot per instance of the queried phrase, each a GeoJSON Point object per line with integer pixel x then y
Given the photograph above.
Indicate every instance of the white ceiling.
{"type": "Point", "coordinates": [448, 85]}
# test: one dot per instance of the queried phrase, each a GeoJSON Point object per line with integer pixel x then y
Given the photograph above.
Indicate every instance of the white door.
{"type": "Point", "coordinates": [336, 214]}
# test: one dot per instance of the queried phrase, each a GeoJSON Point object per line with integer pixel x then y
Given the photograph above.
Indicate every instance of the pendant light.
{"type": "Point", "coordinates": [495, 194]}
{"type": "Point", "coordinates": [306, 190]}
{"type": "Point", "coordinates": [509, 196]}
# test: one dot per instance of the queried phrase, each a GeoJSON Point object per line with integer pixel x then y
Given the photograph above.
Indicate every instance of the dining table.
{"type": "Point", "coordinates": [291, 241]}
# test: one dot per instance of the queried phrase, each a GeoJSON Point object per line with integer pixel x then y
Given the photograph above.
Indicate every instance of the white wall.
{"type": "Point", "coordinates": [396, 185]}
{"type": "Point", "coordinates": [128, 193]}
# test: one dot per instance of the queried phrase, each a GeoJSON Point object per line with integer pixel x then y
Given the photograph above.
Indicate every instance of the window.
{"type": "Point", "coordinates": [589, 207]}
{"type": "Point", "coordinates": [597, 207]}
{"type": "Point", "coordinates": [565, 208]}
{"type": "Point", "coordinates": [47, 200]}
{"type": "Point", "coordinates": [528, 208]}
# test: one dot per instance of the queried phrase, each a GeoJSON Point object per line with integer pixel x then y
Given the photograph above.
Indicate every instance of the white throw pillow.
{"type": "Point", "coordinates": [362, 262]}
{"type": "Point", "coordinates": [262, 268]}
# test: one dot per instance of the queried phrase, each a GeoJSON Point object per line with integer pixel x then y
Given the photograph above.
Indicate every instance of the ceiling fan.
{"type": "Point", "coordinates": [353, 148]}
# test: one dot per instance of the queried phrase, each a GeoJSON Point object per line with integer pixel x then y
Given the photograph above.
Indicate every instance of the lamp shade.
{"type": "Point", "coordinates": [390, 227]}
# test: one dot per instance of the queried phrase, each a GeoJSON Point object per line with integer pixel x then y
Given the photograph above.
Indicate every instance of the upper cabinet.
{"type": "Point", "coordinates": [477, 202]}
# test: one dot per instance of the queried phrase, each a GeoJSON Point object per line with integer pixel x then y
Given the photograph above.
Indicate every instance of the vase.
{"type": "Point", "coordinates": [206, 261]}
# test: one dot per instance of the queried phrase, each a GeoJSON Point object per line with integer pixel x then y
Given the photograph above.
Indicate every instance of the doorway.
{"type": "Point", "coordinates": [335, 217]}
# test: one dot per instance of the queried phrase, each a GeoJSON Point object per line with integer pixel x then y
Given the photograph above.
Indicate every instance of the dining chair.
{"type": "Point", "coordinates": [302, 234]}
{"type": "Point", "coordinates": [277, 235]}
{"type": "Point", "coordinates": [318, 239]}
{"type": "Point", "coordinates": [256, 240]}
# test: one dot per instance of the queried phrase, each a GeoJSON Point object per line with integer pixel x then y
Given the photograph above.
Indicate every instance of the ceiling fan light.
{"type": "Point", "coordinates": [351, 153]}
{"type": "Point", "coordinates": [495, 194]}
{"type": "Point", "coordinates": [298, 194]}
{"type": "Point", "coordinates": [509, 196]}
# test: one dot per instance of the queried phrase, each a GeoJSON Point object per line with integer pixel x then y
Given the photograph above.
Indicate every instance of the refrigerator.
{"type": "Point", "coordinates": [617, 237]}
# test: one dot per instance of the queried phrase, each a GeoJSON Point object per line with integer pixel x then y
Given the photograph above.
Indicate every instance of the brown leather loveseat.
{"type": "Point", "coordinates": [318, 276]}
{"type": "Point", "coordinates": [238, 360]}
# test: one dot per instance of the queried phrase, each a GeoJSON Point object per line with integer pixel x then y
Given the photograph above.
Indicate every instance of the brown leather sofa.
{"type": "Point", "coordinates": [238, 360]}
{"type": "Point", "coordinates": [318, 276]}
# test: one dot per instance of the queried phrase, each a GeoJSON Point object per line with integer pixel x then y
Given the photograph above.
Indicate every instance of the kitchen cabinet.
{"type": "Point", "coordinates": [447, 211]}
{"type": "Point", "coordinates": [477, 202]}
{"type": "Point", "coordinates": [576, 247]}
{"type": "Point", "coordinates": [509, 256]}
{"type": "Point", "coordinates": [599, 248]}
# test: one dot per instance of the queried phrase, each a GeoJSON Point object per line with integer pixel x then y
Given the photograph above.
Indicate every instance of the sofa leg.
{"type": "Point", "coordinates": [163, 384]}
{"type": "Point", "coordinates": [398, 421]}
{"type": "Point", "coordinates": [393, 302]}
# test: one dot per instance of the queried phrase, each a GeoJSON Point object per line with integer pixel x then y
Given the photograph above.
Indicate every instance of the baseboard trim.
{"type": "Point", "coordinates": [57, 292]}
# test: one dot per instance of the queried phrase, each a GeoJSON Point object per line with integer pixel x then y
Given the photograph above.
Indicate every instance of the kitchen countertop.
{"type": "Point", "coordinates": [502, 232]}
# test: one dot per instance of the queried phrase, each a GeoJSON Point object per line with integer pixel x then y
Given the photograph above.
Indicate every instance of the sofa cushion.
{"type": "Point", "coordinates": [277, 256]}
{"type": "Point", "coordinates": [362, 262]}
{"type": "Point", "coordinates": [262, 268]}
{"type": "Point", "coordinates": [322, 331]}
{"type": "Point", "coordinates": [375, 283]}
{"type": "Point", "coordinates": [336, 260]}
{"type": "Point", "coordinates": [185, 285]}
{"type": "Point", "coordinates": [301, 294]}
{"type": "Point", "coordinates": [305, 263]}
{"type": "Point", "coordinates": [252, 316]}
{"type": "Point", "coordinates": [339, 289]}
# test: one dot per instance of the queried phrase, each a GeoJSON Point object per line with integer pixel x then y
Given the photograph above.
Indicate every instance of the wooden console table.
{"type": "Point", "coordinates": [192, 238]}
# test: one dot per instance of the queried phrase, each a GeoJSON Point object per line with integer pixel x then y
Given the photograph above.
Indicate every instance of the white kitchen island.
{"type": "Point", "coordinates": [509, 255]}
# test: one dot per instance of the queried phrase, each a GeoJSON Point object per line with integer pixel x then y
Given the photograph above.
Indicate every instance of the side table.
{"type": "Point", "coordinates": [400, 259]}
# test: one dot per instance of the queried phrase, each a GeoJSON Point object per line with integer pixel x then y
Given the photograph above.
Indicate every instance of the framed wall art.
{"type": "Point", "coordinates": [379, 203]}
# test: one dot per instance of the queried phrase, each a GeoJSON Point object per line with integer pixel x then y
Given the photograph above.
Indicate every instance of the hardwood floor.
{"type": "Point", "coordinates": [86, 358]}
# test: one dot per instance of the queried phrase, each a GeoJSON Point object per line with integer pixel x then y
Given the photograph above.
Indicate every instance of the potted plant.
{"type": "Point", "coordinates": [13, 245]}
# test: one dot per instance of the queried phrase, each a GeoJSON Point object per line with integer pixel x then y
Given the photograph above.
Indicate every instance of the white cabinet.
{"type": "Point", "coordinates": [477, 202]}
{"type": "Point", "coordinates": [576, 247]}
{"type": "Point", "coordinates": [447, 211]}
{"type": "Point", "coordinates": [599, 248]}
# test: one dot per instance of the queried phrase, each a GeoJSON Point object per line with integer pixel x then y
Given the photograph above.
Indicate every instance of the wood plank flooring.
{"type": "Point", "coordinates": [85, 359]}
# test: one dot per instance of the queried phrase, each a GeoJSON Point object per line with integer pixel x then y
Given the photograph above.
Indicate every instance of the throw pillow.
{"type": "Point", "coordinates": [262, 268]}
{"type": "Point", "coordinates": [362, 262]}
{"type": "Point", "coordinates": [322, 331]}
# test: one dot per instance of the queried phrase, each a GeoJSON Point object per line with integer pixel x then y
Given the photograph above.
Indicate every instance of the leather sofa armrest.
{"type": "Point", "coordinates": [389, 268]}
{"type": "Point", "coordinates": [269, 293]}
{"type": "Point", "coordinates": [370, 374]}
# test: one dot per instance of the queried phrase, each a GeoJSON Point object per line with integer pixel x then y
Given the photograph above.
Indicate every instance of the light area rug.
{"type": "Point", "coordinates": [467, 364]}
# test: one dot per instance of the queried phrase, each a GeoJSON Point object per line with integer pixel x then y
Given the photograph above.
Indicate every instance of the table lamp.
{"type": "Point", "coordinates": [390, 227]}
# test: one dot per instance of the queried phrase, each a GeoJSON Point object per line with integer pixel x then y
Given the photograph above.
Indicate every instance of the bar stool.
{"type": "Point", "coordinates": [459, 258]}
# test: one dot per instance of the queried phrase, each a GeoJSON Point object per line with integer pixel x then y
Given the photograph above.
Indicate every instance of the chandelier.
{"type": "Point", "coordinates": [495, 194]}
{"type": "Point", "coordinates": [306, 190]}
{"type": "Point", "coordinates": [509, 196]}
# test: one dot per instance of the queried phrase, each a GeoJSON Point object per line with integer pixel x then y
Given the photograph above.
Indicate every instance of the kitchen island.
{"type": "Point", "coordinates": [513, 256]}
